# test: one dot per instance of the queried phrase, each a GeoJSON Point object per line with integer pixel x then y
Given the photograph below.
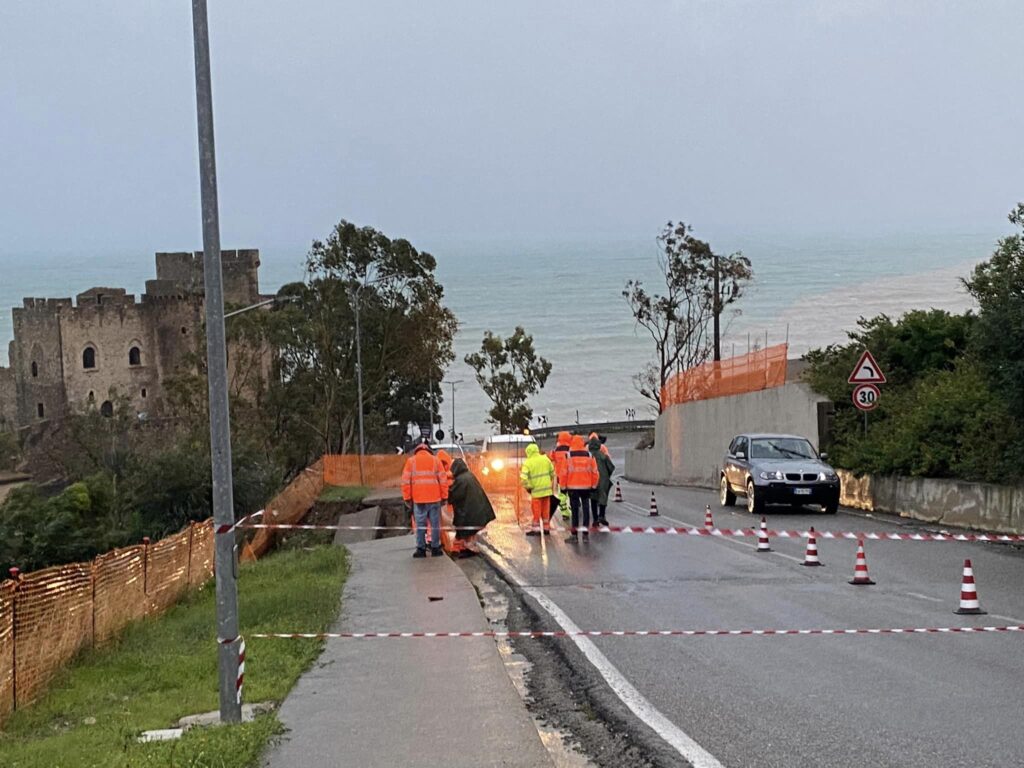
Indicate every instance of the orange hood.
{"type": "Point", "coordinates": [577, 443]}
{"type": "Point", "coordinates": [446, 460]}
{"type": "Point", "coordinates": [564, 438]}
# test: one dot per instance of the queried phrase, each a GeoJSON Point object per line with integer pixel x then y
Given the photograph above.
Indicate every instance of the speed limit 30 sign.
{"type": "Point", "coordinates": [865, 396]}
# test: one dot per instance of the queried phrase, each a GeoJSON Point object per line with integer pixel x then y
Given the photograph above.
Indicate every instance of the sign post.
{"type": "Point", "coordinates": [866, 374]}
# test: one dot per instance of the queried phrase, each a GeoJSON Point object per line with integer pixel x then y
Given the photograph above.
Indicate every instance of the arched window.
{"type": "Point", "coordinates": [89, 358]}
{"type": "Point", "coordinates": [92, 398]}
{"type": "Point", "coordinates": [40, 411]}
{"type": "Point", "coordinates": [143, 391]}
{"type": "Point", "coordinates": [35, 369]}
{"type": "Point", "coordinates": [134, 356]}
{"type": "Point", "coordinates": [107, 409]}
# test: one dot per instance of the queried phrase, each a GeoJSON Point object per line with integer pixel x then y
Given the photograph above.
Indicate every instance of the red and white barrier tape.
{"type": "Point", "coordinates": [679, 531]}
{"type": "Point", "coordinates": [636, 633]}
{"type": "Point", "coordinates": [241, 670]}
{"type": "Point", "coordinates": [240, 523]}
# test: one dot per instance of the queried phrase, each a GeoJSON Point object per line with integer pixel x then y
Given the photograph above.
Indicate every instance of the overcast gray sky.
{"type": "Point", "coordinates": [528, 118]}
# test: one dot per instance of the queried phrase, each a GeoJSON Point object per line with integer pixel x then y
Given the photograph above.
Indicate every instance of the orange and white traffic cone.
{"type": "Point", "coordinates": [969, 604]}
{"type": "Point", "coordinates": [654, 506]}
{"type": "Point", "coordinates": [763, 545]}
{"type": "Point", "coordinates": [618, 491]}
{"type": "Point", "coordinates": [709, 522]}
{"type": "Point", "coordinates": [811, 555]}
{"type": "Point", "coordinates": [860, 568]}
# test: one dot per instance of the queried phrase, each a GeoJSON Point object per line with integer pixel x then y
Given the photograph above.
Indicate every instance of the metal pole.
{"type": "Point", "coordinates": [225, 553]}
{"type": "Point", "coordinates": [359, 380]}
{"type": "Point", "coordinates": [717, 310]}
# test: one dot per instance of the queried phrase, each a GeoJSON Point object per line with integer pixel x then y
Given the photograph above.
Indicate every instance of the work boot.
{"type": "Point", "coordinates": [571, 538]}
{"type": "Point", "coordinates": [586, 536]}
{"type": "Point", "coordinates": [436, 552]}
{"type": "Point", "coordinates": [533, 532]}
{"type": "Point", "coordinates": [420, 553]}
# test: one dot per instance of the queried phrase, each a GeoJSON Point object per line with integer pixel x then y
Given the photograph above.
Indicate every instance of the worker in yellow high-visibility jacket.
{"type": "Point", "coordinates": [538, 477]}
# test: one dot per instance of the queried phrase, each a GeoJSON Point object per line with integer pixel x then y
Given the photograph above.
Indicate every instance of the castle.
{"type": "Point", "coordinates": [69, 356]}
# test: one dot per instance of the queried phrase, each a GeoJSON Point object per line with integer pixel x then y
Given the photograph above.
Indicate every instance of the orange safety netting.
{"type": "Point", "coordinates": [379, 471]}
{"type": "Point", "coordinates": [48, 616]}
{"type": "Point", "coordinates": [289, 506]}
{"type": "Point", "coordinates": [751, 372]}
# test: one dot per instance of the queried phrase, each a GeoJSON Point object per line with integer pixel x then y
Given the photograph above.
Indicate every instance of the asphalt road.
{"type": "Point", "coordinates": [919, 700]}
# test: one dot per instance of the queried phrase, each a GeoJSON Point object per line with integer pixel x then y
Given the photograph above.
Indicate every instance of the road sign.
{"type": "Point", "coordinates": [866, 371]}
{"type": "Point", "coordinates": [865, 396]}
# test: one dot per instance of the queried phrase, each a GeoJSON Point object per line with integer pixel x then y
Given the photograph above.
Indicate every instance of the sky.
{"type": "Point", "coordinates": [531, 119]}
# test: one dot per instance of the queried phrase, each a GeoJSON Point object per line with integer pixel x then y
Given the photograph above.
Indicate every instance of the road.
{"type": "Point", "coordinates": [919, 700]}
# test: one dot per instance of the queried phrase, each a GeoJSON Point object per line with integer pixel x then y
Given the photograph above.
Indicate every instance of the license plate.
{"type": "Point", "coordinates": [802, 491]}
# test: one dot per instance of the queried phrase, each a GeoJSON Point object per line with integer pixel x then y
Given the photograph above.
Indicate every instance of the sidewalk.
{"type": "Point", "coordinates": [407, 702]}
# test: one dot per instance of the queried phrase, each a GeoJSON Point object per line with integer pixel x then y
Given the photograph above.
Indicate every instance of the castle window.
{"type": "Point", "coordinates": [89, 358]}
{"type": "Point", "coordinates": [40, 410]}
{"type": "Point", "coordinates": [92, 398]}
{"type": "Point", "coordinates": [107, 409]}
{"type": "Point", "coordinates": [35, 369]}
{"type": "Point", "coordinates": [134, 356]}
{"type": "Point", "coordinates": [184, 330]}
{"type": "Point", "coordinates": [143, 392]}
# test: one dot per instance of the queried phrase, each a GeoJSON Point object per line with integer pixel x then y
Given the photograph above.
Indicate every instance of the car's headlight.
{"type": "Point", "coordinates": [826, 477]}
{"type": "Point", "coordinates": [777, 475]}
{"type": "Point", "coordinates": [497, 465]}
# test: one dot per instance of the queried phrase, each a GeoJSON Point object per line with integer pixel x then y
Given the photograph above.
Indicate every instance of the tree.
{"type": "Point", "coordinates": [405, 339]}
{"type": "Point", "coordinates": [681, 322]}
{"type": "Point", "coordinates": [998, 287]}
{"type": "Point", "coordinates": [509, 371]}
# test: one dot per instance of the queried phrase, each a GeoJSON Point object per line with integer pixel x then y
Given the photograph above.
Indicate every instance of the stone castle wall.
{"type": "Point", "coordinates": [48, 375]}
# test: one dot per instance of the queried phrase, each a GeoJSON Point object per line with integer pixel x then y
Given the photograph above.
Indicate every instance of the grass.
{"type": "Point", "coordinates": [162, 669]}
{"type": "Point", "coordinates": [354, 493]}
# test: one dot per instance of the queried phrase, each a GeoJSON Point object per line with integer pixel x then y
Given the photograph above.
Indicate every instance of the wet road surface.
{"type": "Point", "coordinates": [920, 700]}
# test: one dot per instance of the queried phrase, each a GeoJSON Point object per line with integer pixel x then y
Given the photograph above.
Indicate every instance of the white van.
{"type": "Point", "coordinates": [503, 455]}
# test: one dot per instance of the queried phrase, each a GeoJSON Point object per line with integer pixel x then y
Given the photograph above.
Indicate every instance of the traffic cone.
{"type": "Point", "coordinates": [709, 522]}
{"type": "Point", "coordinates": [618, 491]}
{"type": "Point", "coordinates": [763, 545]}
{"type": "Point", "coordinates": [969, 604]}
{"type": "Point", "coordinates": [654, 506]}
{"type": "Point", "coordinates": [860, 568]}
{"type": "Point", "coordinates": [811, 555]}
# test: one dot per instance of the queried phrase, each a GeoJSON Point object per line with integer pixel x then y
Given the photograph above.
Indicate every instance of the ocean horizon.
{"type": "Point", "coordinates": [807, 290]}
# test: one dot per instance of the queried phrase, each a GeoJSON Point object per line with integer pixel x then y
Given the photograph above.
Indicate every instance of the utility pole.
{"type": "Point", "coordinates": [453, 383]}
{"type": "Point", "coordinates": [356, 300]}
{"type": "Point", "coordinates": [225, 554]}
{"type": "Point", "coordinates": [717, 309]}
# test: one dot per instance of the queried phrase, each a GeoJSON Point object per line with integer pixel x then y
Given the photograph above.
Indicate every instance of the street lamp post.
{"type": "Point", "coordinates": [359, 378]}
{"type": "Point", "coordinates": [225, 552]}
{"type": "Point", "coordinates": [453, 383]}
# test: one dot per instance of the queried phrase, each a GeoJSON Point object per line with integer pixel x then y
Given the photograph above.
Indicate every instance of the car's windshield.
{"type": "Point", "coordinates": [507, 450]}
{"type": "Point", "coordinates": [781, 448]}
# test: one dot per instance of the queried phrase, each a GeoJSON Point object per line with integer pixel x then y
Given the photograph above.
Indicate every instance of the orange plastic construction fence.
{"type": "Point", "coordinates": [48, 616]}
{"type": "Point", "coordinates": [289, 506]}
{"type": "Point", "coordinates": [379, 471]}
{"type": "Point", "coordinates": [762, 369]}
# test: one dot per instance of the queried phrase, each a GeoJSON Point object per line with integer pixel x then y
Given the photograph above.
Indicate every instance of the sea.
{"type": "Point", "coordinates": [808, 290]}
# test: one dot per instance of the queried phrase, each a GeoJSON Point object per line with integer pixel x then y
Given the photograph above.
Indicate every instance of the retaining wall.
{"type": "Point", "coordinates": [691, 438]}
{"type": "Point", "coordinates": [998, 508]}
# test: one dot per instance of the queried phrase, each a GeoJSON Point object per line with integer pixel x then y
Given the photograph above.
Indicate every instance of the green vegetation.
{"type": "Point", "coordinates": [509, 371]}
{"type": "Point", "coordinates": [954, 402]}
{"type": "Point", "coordinates": [353, 493]}
{"type": "Point", "coordinates": [684, 323]}
{"type": "Point", "coordinates": [165, 668]}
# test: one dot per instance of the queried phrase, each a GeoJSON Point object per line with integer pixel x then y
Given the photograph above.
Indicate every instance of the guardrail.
{"type": "Point", "coordinates": [602, 427]}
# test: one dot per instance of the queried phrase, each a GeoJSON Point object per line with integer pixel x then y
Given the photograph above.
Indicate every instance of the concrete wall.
{"type": "Point", "coordinates": [947, 502]}
{"type": "Point", "coordinates": [690, 439]}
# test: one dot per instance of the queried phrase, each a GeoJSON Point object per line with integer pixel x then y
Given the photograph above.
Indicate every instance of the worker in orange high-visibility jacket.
{"type": "Point", "coordinates": [580, 478]}
{"type": "Point", "coordinates": [424, 489]}
{"type": "Point", "coordinates": [446, 461]}
{"type": "Point", "coordinates": [559, 456]}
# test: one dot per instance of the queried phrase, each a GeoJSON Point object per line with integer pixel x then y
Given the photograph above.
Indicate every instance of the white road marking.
{"type": "Point", "coordinates": [1006, 618]}
{"type": "Point", "coordinates": [636, 508]}
{"type": "Point", "coordinates": [926, 597]}
{"type": "Point", "coordinates": [637, 703]}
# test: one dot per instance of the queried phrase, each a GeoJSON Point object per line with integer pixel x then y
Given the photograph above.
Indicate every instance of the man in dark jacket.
{"type": "Point", "coordinates": [605, 468]}
{"type": "Point", "coordinates": [472, 507]}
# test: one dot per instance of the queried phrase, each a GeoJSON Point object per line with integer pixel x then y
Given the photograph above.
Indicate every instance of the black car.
{"type": "Point", "coordinates": [777, 469]}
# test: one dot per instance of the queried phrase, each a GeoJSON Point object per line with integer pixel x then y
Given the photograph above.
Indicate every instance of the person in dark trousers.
{"type": "Point", "coordinates": [605, 468]}
{"type": "Point", "coordinates": [472, 507]}
{"type": "Point", "coordinates": [580, 479]}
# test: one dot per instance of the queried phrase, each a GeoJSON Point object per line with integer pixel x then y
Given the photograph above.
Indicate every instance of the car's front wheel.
{"type": "Point", "coordinates": [755, 504]}
{"type": "Point", "coordinates": [831, 508]}
{"type": "Point", "coordinates": [725, 495]}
